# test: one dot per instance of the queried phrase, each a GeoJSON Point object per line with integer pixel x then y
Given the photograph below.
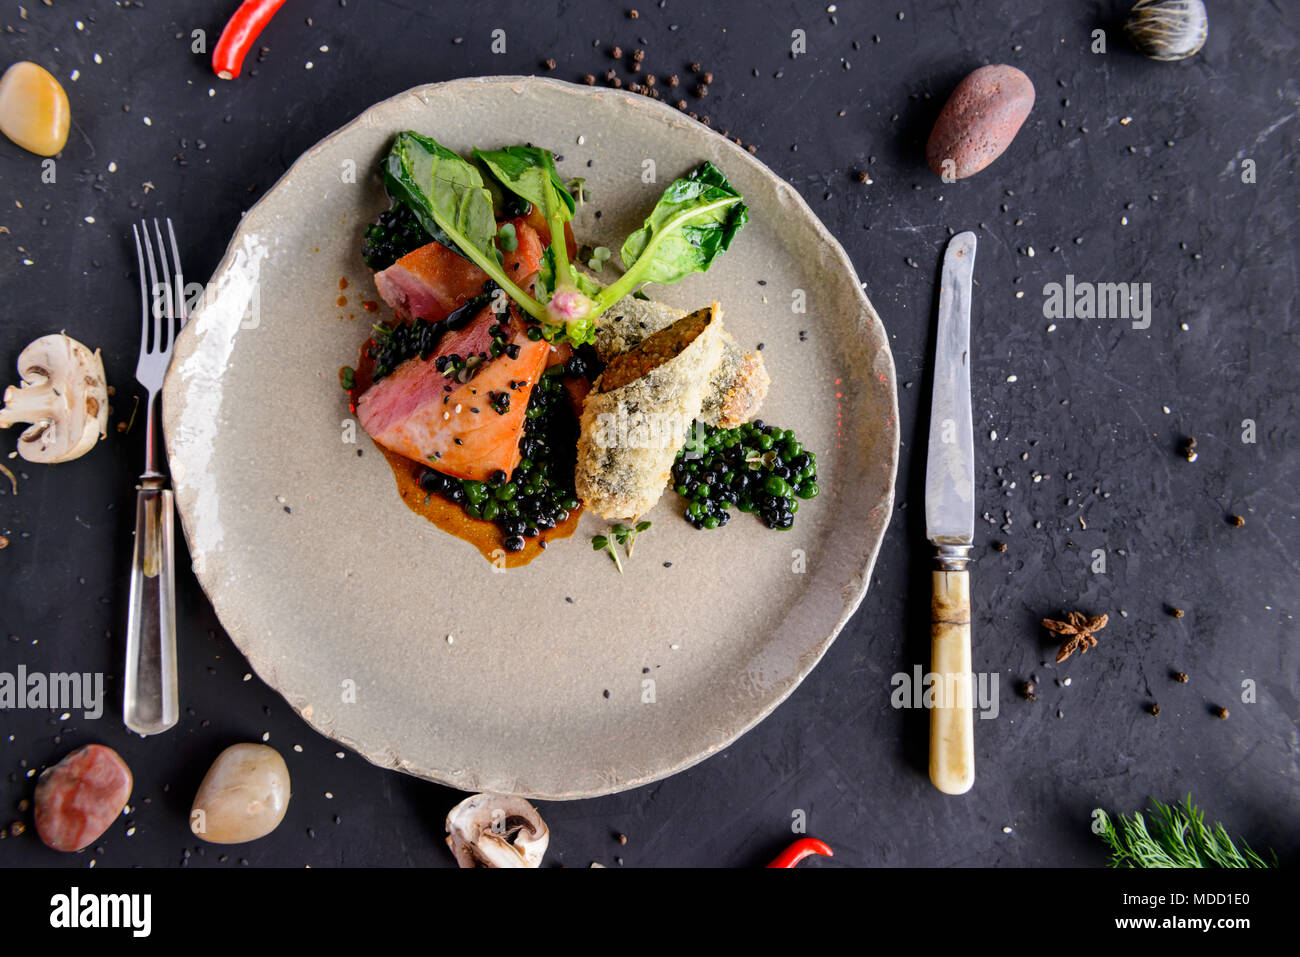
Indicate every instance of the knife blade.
{"type": "Point", "coordinates": [950, 461]}
{"type": "Point", "coordinates": [950, 526]}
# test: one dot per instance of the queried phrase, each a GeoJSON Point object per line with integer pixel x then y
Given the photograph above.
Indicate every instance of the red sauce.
{"type": "Point", "coordinates": [343, 300]}
{"type": "Point", "coordinates": [369, 305]}
{"type": "Point", "coordinates": [343, 283]}
{"type": "Point", "coordinates": [451, 518]}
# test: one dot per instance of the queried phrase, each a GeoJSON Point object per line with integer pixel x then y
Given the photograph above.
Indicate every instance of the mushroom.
{"type": "Point", "coordinates": [496, 830]}
{"type": "Point", "coordinates": [63, 394]}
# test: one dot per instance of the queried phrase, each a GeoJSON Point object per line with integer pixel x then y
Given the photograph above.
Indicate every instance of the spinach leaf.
{"type": "Point", "coordinates": [526, 171]}
{"type": "Point", "coordinates": [696, 219]}
{"type": "Point", "coordinates": [447, 192]}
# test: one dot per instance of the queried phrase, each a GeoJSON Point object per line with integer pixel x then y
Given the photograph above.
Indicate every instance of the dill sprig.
{"type": "Point", "coordinates": [1177, 837]}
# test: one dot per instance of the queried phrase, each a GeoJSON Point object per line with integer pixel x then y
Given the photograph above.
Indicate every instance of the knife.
{"type": "Point", "coordinates": [950, 526]}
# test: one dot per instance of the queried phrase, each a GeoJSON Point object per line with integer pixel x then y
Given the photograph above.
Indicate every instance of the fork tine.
{"type": "Point", "coordinates": [144, 292]}
{"type": "Point", "coordinates": [153, 285]}
{"type": "Point", "coordinates": [166, 329]}
{"type": "Point", "coordinates": [182, 311]}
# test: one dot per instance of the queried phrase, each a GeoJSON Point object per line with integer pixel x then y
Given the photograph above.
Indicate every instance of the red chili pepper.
{"type": "Point", "coordinates": [804, 847]}
{"type": "Point", "coordinates": [240, 34]}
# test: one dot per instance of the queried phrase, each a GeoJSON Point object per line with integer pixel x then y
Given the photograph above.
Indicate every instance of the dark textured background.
{"type": "Point", "coordinates": [1099, 408]}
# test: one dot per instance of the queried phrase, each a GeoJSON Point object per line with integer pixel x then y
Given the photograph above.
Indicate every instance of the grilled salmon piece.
{"type": "Point", "coordinates": [433, 282]}
{"type": "Point", "coordinates": [456, 427]}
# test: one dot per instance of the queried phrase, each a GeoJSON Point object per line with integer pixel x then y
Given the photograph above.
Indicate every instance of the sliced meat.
{"type": "Point", "coordinates": [451, 426]}
{"type": "Point", "coordinates": [432, 282]}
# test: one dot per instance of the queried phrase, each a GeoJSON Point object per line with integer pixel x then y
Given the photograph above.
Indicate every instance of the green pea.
{"type": "Point", "coordinates": [694, 509]}
{"type": "Point", "coordinates": [476, 492]}
{"type": "Point", "coordinates": [765, 442]}
{"type": "Point", "coordinates": [491, 509]}
{"type": "Point", "coordinates": [683, 490]}
{"type": "Point", "coordinates": [473, 511]}
{"type": "Point", "coordinates": [808, 490]}
{"type": "Point", "coordinates": [506, 492]}
{"type": "Point", "coordinates": [525, 465]}
{"type": "Point", "coordinates": [775, 485]}
{"type": "Point", "coordinates": [711, 522]}
{"type": "Point", "coordinates": [792, 448]}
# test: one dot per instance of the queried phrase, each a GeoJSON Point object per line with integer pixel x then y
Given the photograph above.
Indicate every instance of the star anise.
{"type": "Point", "coordinates": [1078, 630]}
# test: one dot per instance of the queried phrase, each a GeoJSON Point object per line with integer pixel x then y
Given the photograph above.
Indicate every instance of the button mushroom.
{"type": "Point", "coordinates": [63, 395]}
{"type": "Point", "coordinates": [496, 830]}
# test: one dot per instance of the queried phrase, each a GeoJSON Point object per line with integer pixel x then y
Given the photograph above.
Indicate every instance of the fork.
{"type": "Point", "coordinates": [151, 701]}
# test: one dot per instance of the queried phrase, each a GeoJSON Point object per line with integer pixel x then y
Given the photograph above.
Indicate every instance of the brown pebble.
{"type": "Point", "coordinates": [1176, 612]}
{"type": "Point", "coordinates": [979, 121]}
{"type": "Point", "coordinates": [1180, 677]}
{"type": "Point", "coordinates": [589, 79]}
{"type": "Point", "coordinates": [1221, 713]}
{"type": "Point", "coordinates": [673, 80]}
{"type": "Point", "coordinates": [707, 77]}
{"type": "Point", "coordinates": [651, 79]}
{"type": "Point", "coordinates": [1236, 520]}
{"type": "Point", "coordinates": [549, 63]}
{"type": "Point", "coordinates": [622, 838]}
{"type": "Point", "coordinates": [638, 56]}
{"type": "Point", "coordinates": [616, 53]}
{"type": "Point", "coordinates": [705, 119]}
{"type": "Point", "coordinates": [701, 90]}
{"type": "Point", "coordinates": [695, 68]}
{"type": "Point", "coordinates": [681, 104]}
{"type": "Point", "coordinates": [616, 83]}
{"type": "Point", "coordinates": [1028, 691]}
{"type": "Point", "coordinates": [633, 14]}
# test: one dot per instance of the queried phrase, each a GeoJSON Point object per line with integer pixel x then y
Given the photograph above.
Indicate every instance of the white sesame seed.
{"type": "Point", "coordinates": [248, 677]}
{"type": "Point", "coordinates": [1166, 408]}
{"type": "Point", "coordinates": [147, 121]}
{"type": "Point", "coordinates": [446, 415]}
{"type": "Point", "coordinates": [112, 167]}
{"type": "Point", "coordinates": [211, 92]}
{"type": "Point", "coordinates": [309, 65]}
{"type": "Point", "coordinates": [1123, 220]}
{"type": "Point", "coordinates": [1184, 326]}
{"type": "Point", "coordinates": [1051, 327]}
{"type": "Point", "coordinates": [581, 140]}
{"type": "Point", "coordinates": [1020, 294]}
{"type": "Point", "coordinates": [329, 795]}
{"type": "Point", "coordinates": [324, 49]}
{"type": "Point", "coordinates": [90, 219]}
{"type": "Point", "coordinates": [458, 407]}
{"type": "Point", "coordinates": [450, 640]}
{"type": "Point", "coordinates": [298, 748]}
{"type": "Point", "coordinates": [993, 436]}
{"type": "Point", "coordinates": [1067, 681]}
{"type": "Point", "coordinates": [80, 25]}
{"type": "Point", "coordinates": [65, 716]}
{"type": "Point", "coordinates": [74, 75]}
{"type": "Point", "coordinates": [98, 58]}
{"type": "Point", "coordinates": [1011, 378]}
{"type": "Point", "coordinates": [1030, 252]}
{"type": "Point", "coordinates": [1006, 830]}
{"type": "Point", "coordinates": [266, 735]}
{"type": "Point", "coordinates": [339, 755]}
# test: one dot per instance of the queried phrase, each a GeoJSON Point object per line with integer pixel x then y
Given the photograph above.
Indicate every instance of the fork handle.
{"type": "Point", "coordinates": [151, 703]}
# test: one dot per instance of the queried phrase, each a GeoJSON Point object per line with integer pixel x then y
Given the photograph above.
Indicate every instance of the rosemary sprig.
{"type": "Point", "coordinates": [1177, 837]}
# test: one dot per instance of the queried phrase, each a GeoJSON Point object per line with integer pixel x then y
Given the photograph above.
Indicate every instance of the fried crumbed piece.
{"type": "Point", "coordinates": [737, 387]}
{"type": "Point", "coordinates": [654, 350]}
{"type": "Point", "coordinates": [631, 428]}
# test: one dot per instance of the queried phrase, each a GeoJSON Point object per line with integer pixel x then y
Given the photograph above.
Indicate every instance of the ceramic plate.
{"type": "Point", "coordinates": [560, 679]}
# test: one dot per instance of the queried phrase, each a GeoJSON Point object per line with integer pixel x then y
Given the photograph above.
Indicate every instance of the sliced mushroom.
{"type": "Point", "coordinates": [63, 395]}
{"type": "Point", "coordinates": [496, 830]}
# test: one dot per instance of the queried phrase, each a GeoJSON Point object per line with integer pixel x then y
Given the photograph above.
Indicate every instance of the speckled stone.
{"type": "Point", "coordinates": [78, 799]}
